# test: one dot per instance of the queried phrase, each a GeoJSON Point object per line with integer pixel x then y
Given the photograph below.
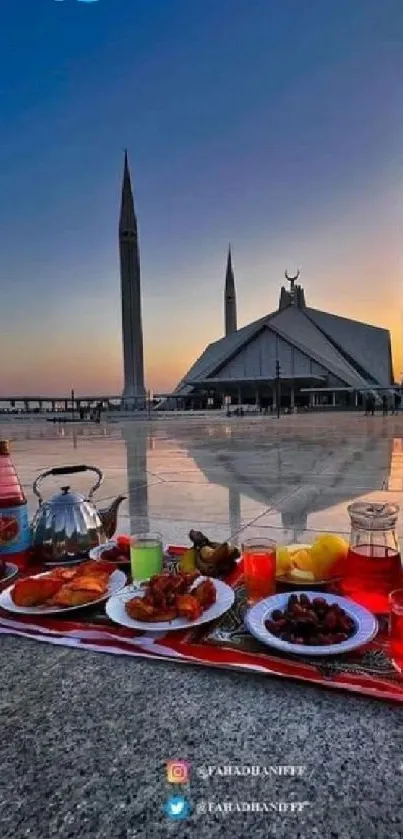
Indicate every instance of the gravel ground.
{"type": "Point", "coordinates": [85, 740]}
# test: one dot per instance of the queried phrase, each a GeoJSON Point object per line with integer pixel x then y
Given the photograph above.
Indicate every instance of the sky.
{"type": "Point", "coordinates": [276, 125]}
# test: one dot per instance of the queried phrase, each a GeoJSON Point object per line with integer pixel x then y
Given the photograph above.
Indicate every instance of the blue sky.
{"type": "Point", "coordinates": [272, 124]}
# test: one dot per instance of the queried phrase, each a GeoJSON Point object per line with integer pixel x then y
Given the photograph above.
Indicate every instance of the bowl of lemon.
{"type": "Point", "coordinates": [317, 564]}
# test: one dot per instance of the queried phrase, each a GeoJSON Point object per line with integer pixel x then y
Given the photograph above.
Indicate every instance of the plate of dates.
{"type": "Point", "coordinates": [116, 550]}
{"type": "Point", "coordinates": [305, 623]}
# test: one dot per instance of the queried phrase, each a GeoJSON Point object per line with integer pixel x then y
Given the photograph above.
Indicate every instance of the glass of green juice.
{"type": "Point", "coordinates": [146, 555]}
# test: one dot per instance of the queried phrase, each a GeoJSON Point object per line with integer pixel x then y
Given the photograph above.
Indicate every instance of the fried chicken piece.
{"type": "Point", "coordinates": [163, 589]}
{"type": "Point", "coordinates": [188, 607]}
{"type": "Point", "coordinates": [159, 589]}
{"type": "Point", "coordinates": [98, 583]}
{"type": "Point", "coordinates": [140, 610]}
{"type": "Point", "coordinates": [65, 597]}
{"type": "Point", "coordinates": [62, 574]}
{"type": "Point", "coordinates": [205, 594]}
{"type": "Point", "coordinates": [189, 578]}
{"type": "Point", "coordinates": [34, 591]}
{"type": "Point", "coordinates": [95, 566]}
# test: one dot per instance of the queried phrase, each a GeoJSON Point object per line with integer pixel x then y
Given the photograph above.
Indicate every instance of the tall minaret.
{"type": "Point", "coordinates": [132, 326]}
{"type": "Point", "coordinates": [230, 298]}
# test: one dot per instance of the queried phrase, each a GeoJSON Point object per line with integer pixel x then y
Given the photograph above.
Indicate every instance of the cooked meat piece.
{"type": "Point", "coordinates": [139, 610]}
{"type": "Point", "coordinates": [34, 591]}
{"type": "Point", "coordinates": [205, 593]}
{"type": "Point", "coordinates": [98, 583]}
{"type": "Point", "coordinates": [65, 598]}
{"type": "Point", "coordinates": [188, 607]}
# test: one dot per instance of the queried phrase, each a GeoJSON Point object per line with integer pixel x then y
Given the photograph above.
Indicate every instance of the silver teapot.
{"type": "Point", "coordinates": [67, 526]}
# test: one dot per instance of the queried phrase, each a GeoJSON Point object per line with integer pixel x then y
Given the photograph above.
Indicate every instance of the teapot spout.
{"type": "Point", "coordinates": [109, 516]}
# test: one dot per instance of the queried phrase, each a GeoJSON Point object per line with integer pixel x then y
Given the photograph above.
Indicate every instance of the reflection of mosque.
{"type": "Point", "coordinates": [282, 475]}
{"type": "Point", "coordinates": [137, 440]}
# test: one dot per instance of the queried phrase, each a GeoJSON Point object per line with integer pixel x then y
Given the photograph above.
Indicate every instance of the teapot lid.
{"type": "Point", "coordinates": [66, 497]}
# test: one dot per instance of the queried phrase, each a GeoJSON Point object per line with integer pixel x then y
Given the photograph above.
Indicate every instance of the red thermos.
{"type": "Point", "coordinates": [14, 522]}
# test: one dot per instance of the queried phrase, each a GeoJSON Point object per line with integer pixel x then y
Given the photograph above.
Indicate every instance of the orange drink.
{"type": "Point", "coordinates": [259, 568]}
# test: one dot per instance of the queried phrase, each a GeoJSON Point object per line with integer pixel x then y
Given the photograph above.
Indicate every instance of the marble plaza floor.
{"type": "Point", "coordinates": [88, 734]}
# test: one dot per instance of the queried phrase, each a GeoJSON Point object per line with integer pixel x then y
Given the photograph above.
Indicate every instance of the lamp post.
{"type": "Point", "coordinates": [278, 388]}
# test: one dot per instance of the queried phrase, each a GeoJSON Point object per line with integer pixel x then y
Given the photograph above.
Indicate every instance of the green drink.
{"type": "Point", "coordinates": [146, 555]}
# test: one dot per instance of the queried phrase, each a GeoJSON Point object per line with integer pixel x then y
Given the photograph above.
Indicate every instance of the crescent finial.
{"type": "Point", "coordinates": [292, 279]}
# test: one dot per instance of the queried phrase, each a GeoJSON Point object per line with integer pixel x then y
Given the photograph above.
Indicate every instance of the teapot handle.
{"type": "Point", "coordinates": [68, 470]}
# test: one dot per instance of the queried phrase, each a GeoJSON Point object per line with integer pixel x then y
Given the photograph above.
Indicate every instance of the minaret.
{"type": "Point", "coordinates": [132, 326]}
{"type": "Point", "coordinates": [230, 298]}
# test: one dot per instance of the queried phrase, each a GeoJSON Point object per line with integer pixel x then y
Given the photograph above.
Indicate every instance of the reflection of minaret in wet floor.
{"type": "Point", "coordinates": [234, 508]}
{"type": "Point", "coordinates": [136, 440]}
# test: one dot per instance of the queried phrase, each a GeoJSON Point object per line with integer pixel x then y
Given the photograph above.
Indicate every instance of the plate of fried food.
{"type": "Point", "coordinates": [170, 601]}
{"type": "Point", "coordinates": [63, 589]}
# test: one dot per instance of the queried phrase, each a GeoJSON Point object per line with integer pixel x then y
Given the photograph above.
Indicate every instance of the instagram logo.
{"type": "Point", "coordinates": [177, 771]}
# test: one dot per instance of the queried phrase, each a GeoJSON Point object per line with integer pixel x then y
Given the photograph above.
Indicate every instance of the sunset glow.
{"type": "Point", "coordinates": [292, 155]}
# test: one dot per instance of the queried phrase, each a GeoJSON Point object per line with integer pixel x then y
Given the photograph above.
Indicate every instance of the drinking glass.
{"type": "Point", "coordinates": [259, 564]}
{"type": "Point", "coordinates": [396, 628]}
{"type": "Point", "coordinates": [146, 555]}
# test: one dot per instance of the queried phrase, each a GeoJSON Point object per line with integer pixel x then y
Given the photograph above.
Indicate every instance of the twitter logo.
{"type": "Point", "coordinates": [177, 807]}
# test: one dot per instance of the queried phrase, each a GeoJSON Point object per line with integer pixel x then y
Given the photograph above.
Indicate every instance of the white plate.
{"type": "Point", "coordinates": [298, 583]}
{"type": "Point", "coordinates": [11, 571]}
{"type": "Point", "coordinates": [116, 582]}
{"type": "Point", "coordinates": [66, 563]}
{"type": "Point", "coordinates": [365, 622]}
{"type": "Point", "coordinates": [96, 553]}
{"type": "Point", "coordinates": [115, 608]}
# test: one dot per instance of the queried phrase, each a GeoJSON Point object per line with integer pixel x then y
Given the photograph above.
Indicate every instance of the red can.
{"type": "Point", "coordinates": [14, 522]}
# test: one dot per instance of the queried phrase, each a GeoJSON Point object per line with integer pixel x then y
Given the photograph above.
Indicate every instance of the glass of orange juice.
{"type": "Point", "coordinates": [259, 568]}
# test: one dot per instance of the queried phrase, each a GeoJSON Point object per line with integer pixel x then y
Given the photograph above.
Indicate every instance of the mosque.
{"type": "Point", "coordinates": [296, 355]}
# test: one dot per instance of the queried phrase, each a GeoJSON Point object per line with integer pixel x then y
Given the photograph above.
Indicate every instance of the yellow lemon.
{"type": "Point", "coordinates": [301, 576]}
{"type": "Point", "coordinates": [302, 559]}
{"type": "Point", "coordinates": [327, 551]}
{"type": "Point", "coordinates": [283, 561]}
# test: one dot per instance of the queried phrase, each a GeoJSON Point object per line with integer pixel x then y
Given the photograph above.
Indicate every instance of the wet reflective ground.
{"type": "Point", "coordinates": [291, 475]}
